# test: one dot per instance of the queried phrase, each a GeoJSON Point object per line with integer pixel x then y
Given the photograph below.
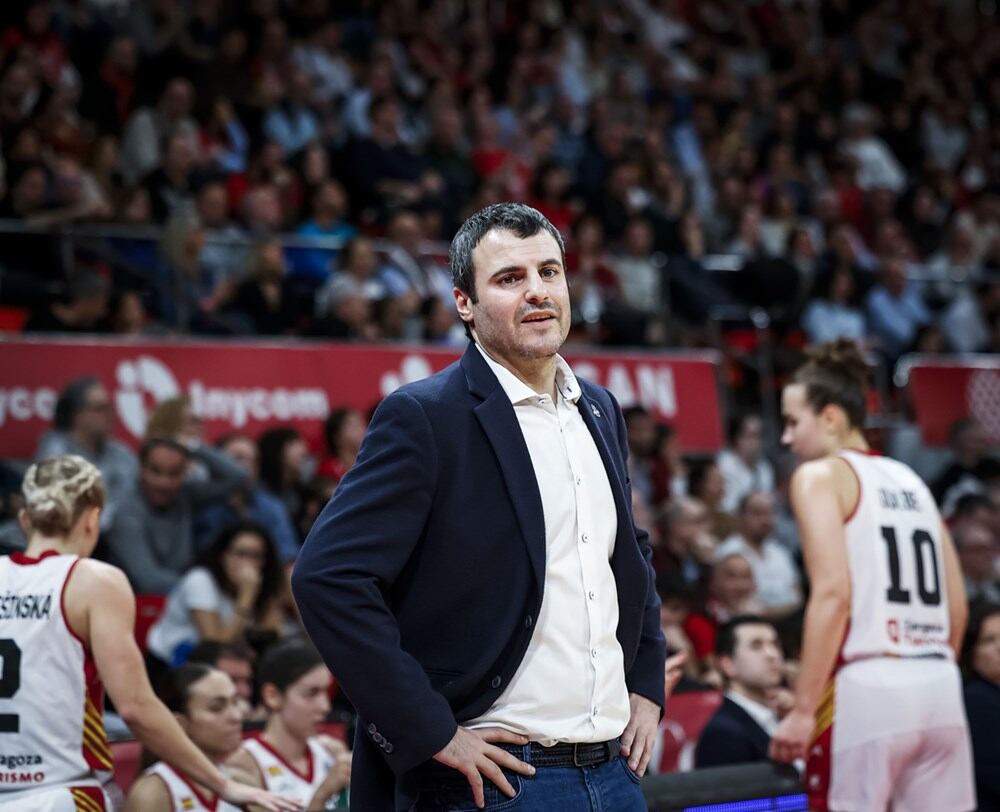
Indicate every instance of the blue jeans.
{"type": "Point", "coordinates": [608, 787]}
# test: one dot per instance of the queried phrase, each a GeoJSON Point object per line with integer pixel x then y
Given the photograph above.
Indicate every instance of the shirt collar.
{"type": "Point", "coordinates": [761, 714]}
{"type": "Point", "coordinates": [519, 392]}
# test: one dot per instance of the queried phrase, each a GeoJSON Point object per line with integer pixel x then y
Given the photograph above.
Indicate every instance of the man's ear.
{"type": "Point", "coordinates": [725, 665]}
{"type": "Point", "coordinates": [463, 304]}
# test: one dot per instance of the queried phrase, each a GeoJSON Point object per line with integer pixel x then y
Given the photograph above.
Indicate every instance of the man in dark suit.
{"type": "Point", "coordinates": [477, 492]}
{"type": "Point", "coordinates": [749, 656]}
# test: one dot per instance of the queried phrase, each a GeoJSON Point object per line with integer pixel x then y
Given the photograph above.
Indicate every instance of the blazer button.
{"type": "Point", "coordinates": [379, 738]}
{"type": "Point", "coordinates": [372, 729]}
{"type": "Point", "coordinates": [528, 621]}
{"type": "Point", "coordinates": [496, 681]}
{"type": "Point", "coordinates": [388, 747]}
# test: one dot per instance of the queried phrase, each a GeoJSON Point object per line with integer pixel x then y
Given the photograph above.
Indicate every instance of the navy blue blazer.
{"type": "Point", "coordinates": [732, 736]}
{"type": "Point", "coordinates": [421, 579]}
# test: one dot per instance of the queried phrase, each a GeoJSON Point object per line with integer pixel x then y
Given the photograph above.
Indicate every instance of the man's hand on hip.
{"type": "Point", "coordinates": [472, 754]}
{"type": "Point", "coordinates": [638, 738]}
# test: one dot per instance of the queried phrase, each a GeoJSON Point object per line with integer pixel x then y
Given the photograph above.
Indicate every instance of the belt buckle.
{"type": "Point", "coordinates": [576, 762]}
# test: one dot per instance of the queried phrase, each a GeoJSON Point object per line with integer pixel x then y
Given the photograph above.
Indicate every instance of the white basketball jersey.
{"type": "Point", "coordinates": [51, 727]}
{"type": "Point", "coordinates": [899, 603]}
{"type": "Point", "coordinates": [184, 795]}
{"type": "Point", "coordinates": [281, 777]}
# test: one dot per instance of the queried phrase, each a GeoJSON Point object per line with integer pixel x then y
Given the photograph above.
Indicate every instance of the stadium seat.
{"type": "Point", "coordinates": [686, 716]}
{"type": "Point", "coordinates": [127, 755]}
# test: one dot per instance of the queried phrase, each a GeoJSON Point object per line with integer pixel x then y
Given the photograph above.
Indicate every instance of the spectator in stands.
{"type": "Point", "coordinates": [895, 310]}
{"type": "Point", "coordinates": [148, 129]}
{"type": "Point", "coordinates": [236, 585]}
{"type": "Point", "coordinates": [329, 210]}
{"type": "Point", "coordinates": [290, 120]}
{"type": "Point", "coordinates": [640, 276]}
{"type": "Point", "coordinates": [83, 424]}
{"type": "Point", "coordinates": [265, 298]}
{"type": "Point", "coordinates": [705, 483]}
{"type": "Point", "coordinates": [731, 592]}
{"type": "Point", "coordinates": [343, 431]}
{"type": "Point", "coordinates": [749, 656]}
{"type": "Point", "coordinates": [968, 322]}
{"type": "Point", "coordinates": [222, 257]}
{"type": "Point", "coordinates": [979, 553]}
{"type": "Point", "coordinates": [205, 703]}
{"type": "Point", "coordinates": [80, 307]}
{"type": "Point", "coordinates": [386, 172]}
{"type": "Point", "coordinates": [235, 659]}
{"type": "Point", "coordinates": [172, 184]}
{"type": "Point", "coordinates": [743, 464]}
{"type": "Point", "coordinates": [409, 272]}
{"type": "Point", "coordinates": [284, 465]}
{"type": "Point", "coordinates": [971, 467]}
{"type": "Point", "coordinates": [833, 313]}
{"type": "Point", "coordinates": [775, 574]}
{"type": "Point", "coordinates": [291, 756]}
{"type": "Point", "coordinates": [249, 503]}
{"type": "Point", "coordinates": [676, 599]}
{"type": "Point", "coordinates": [981, 664]}
{"type": "Point", "coordinates": [641, 428]}
{"type": "Point", "coordinates": [687, 547]}
{"type": "Point", "coordinates": [152, 538]}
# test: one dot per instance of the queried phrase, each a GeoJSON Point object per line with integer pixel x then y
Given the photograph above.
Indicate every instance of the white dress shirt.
{"type": "Point", "coordinates": [570, 686]}
{"type": "Point", "coordinates": [761, 714]}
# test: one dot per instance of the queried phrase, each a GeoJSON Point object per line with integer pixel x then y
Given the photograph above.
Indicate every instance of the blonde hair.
{"type": "Point", "coordinates": [57, 491]}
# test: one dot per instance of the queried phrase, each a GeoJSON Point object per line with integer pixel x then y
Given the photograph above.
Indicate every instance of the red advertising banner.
{"type": "Point", "coordinates": [251, 386]}
{"type": "Point", "coordinates": [944, 390]}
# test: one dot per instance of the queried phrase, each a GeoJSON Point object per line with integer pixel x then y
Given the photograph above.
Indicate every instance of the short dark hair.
{"type": "Point", "coordinates": [735, 427]}
{"type": "Point", "coordinates": [979, 614]}
{"type": "Point", "coordinates": [271, 445]}
{"type": "Point", "coordinates": [72, 400]}
{"type": "Point", "coordinates": [519, 219]}
{"type": "Point", "coordinates": [150, 444]}
{"type": "Point", "coordinates": [176, 689]}
{"type": "Point", "coordinates": [725, 640]}
{"type": "Point", "coordinates": [209, 652]}
{"type": "Point", "coordinates": [968, 503]}
{"type": "Point", "coordinates": [285, 663]}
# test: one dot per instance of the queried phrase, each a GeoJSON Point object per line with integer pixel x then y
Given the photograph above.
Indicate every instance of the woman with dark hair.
{"type": "Point", "coordinates": [705, 482]}
{"type": "Point", "coordinates": [981, 664]}
{"type": "Point", "coordinates": [878, 702]}
{"type": "Point", "coordinates": [343, 431]}
{"type": "Point", "coordinates": [205, 703]}
{"type": "Point", "coordinates": [291, 756]}
{"type": "Point", "coordinates": [235, 585]}
{"type": "Point", "coordinates": [283, 458]}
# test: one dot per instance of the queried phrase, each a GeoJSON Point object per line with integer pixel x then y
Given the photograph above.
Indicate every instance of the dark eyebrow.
{"type": "Point", "coordinates": [514, 268]}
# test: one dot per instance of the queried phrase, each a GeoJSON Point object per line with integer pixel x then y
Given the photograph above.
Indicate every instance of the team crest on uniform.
{"type": "Point", "coordinates": [187, 803]}
{"type": "Point", "coordinates": [274, 769]}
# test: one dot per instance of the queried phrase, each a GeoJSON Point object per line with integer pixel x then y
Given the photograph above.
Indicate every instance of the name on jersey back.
{"type": "Point", "coordinates": [898, 500]}
{"type": "Point", "coordinates": [25, 606]}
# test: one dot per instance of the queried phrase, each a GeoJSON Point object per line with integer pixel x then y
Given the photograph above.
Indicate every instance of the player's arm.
{"type": "Point", "coordinates": [958, 602]}
{"type": "Point", "coordinates": [819, 491]}
{"type": "Point", "coordinates": [148, 794]}
{"type": "Point", "coordinates": [108, 619]}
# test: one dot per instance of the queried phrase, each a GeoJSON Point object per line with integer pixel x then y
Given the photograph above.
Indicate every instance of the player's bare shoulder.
{"type": "Point", "coordinates": [824, 477]}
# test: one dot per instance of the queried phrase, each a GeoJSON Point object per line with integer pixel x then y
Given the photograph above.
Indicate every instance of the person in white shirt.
{"type": "Point", "coordinates": [750, 658]}
{"type": "Point", "coordinates": [743, 466]}
{"type": "Point", "coordinates": [774, 571]}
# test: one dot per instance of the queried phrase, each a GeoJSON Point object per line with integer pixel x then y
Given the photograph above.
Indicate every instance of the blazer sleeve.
{"type": "Point", "coordinates": [646, 676]}
{"type": "Point", "coordinates": [357, 548]}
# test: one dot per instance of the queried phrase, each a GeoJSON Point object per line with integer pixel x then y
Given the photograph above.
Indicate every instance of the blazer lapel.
{"type": "Point", "coordinates": [499, 424]}
{"type": "Point", "coordinates": [596, 420]}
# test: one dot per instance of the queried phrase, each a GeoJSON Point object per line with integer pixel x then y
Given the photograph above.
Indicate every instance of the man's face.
{"type": "Point", "coordinates": [95, 419]}
{"type": "Point", "coordinates": [241, 673]}
{"type": "Point", "coordinates": [732, 581]}
{"type": "Point", "coordinates": [243, 450]}
{"type": "Point", "coordinates": [523, 311]}
{"type": "Point", "coordinates": [757, 517]}
{"type": "Point", "coordinates": [757, 659]}
{"type": "Point", "coordinates": [978, 552]}
{"type": "Point", "coordinates": [692, 521]}
{"type": "Point", "coordinates": [162, 475]}
{"type": "Point", "coordinates": [213, 206]}
{"type": "Point", "coordinates": [750, 441]}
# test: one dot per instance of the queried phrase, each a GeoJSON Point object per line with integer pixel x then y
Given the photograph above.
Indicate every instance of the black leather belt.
{"type": "Point", "coordinates": [565, 754]}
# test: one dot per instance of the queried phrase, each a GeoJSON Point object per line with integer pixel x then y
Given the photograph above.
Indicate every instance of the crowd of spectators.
{"type": "Point", "coordinates": [839, 159]}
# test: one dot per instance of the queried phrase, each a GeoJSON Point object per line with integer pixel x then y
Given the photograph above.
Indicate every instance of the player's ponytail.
{"type": "Point", "coordinates": [56, 492]}
{"type": "Point", "coordinates": [836, 373]}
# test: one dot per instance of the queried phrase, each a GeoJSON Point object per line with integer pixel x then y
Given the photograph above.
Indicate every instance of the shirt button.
{"type": "Point", "coordinates": [579, 480]}
{"type": "Point", "coordinates": [590, 594]}
{"type": "Point", "coordinates": [594, 711]}
{"type": "Point", "coordinates": [584, 538]}
{"type": "Point", "coordinates": [593, 652]}
{"type": "Point", "coordinates": [496, 681]}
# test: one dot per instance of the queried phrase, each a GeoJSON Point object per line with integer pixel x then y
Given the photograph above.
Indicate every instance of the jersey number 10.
{"type": "Point", "coordinates": [930, 596]}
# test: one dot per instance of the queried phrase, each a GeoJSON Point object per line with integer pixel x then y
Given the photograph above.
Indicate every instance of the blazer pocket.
{"type": "Point", "coordinates": [441, 677]}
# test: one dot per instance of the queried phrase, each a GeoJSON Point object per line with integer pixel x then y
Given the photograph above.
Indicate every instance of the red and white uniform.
{"type": "Point", "coordinates": [184, 795]}
{"type": "Point", "coordinates": [54, 753]}
{"type": "Point", "coordinates": [281, 777]}
{"type": "Point", "coordinates": [891, 728]}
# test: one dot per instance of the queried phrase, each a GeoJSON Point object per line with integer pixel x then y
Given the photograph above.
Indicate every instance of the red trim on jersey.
{"type": "Point", "coordinates": [166, 787]}
{"type": "Point", "coordinates": [857, 504]}
{"type": "Point", "coordinates": [92, 797]}
{"type": "Point", "coordinates": [308, 776]}
{"type": "Point", "coordinates": [62, 607]}
{"type": "Point", "coordinates": [210, 804]}
{"type": "Point", "coordinates": [27, 561]}
{"type": "Point", "coordinates": [817, 777]}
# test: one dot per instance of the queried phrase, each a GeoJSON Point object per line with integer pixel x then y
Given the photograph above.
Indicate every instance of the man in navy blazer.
{"type": "Point", "coordinates": [749, 655]}
{"type": "Point", "coordinates": [477, 584]}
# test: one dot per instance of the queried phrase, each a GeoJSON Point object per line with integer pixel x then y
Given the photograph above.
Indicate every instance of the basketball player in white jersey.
{"type": "Point", "coordinates": [207, 706]}
{"type": "Point", "coordinates": [886, 613]}
{"type": "Point", "coordinates": [289, 757]}
{"type": "Point", "coordinates": [66, 634]}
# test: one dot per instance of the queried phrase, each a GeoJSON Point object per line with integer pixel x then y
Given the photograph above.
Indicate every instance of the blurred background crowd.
{"type": "Point", "coordinates": [297, 167]}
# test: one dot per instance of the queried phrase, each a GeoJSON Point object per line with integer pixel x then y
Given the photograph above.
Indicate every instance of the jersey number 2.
{"type": "Point", "coordinates": [895, 593]}
{"type": "Point", "coordinates": [10, 681]}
